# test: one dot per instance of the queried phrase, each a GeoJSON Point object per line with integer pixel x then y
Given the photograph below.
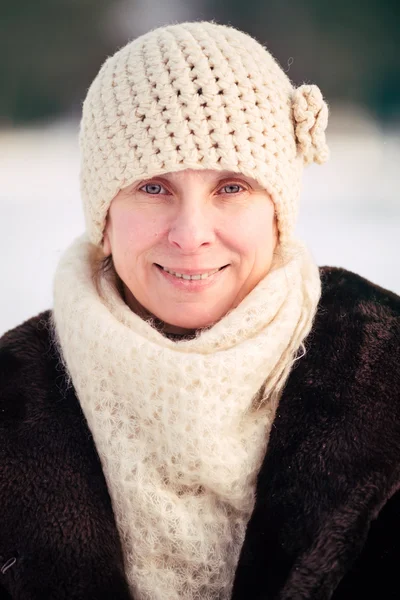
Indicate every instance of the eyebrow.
{"type": "Point", "coordinates": [219, 174]}
{"type": "Point", "coordinates": [228, 174]}
{"type": "Point", "coordinates": [170, 177]}
{"type": "Point", "coordinates": [232, 174]}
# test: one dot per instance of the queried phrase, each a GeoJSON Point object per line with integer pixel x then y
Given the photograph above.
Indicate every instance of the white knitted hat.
{"type": "Point", "coordinates": [201, 96]}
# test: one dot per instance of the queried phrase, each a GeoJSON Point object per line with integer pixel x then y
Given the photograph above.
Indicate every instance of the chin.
{"type": "Point", "coordinates": [190, 321]}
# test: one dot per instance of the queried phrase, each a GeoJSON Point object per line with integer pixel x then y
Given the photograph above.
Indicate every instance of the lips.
{"type": "Point", "coordinates": [190, 274]}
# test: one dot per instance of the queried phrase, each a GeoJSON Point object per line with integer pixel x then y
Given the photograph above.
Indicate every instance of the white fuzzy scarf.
{"type": "Point", "coordinates": [181, 427]}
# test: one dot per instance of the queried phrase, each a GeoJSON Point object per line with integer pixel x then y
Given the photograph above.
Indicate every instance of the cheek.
{"type": "Point", "coordinates": [254, 232]}
{"type": "Point", "coordinates": [134, 232]}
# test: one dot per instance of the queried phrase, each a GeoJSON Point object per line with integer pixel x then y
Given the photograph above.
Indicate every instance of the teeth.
{"type": "Point", "coordinates": [191, 277]}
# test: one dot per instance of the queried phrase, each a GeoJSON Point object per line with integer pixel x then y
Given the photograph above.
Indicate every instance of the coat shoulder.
{"type": "Point", "coordinates": [353, 350]}
{"type": "Point", "coordinates": [351, 293]}
{"type": "Point", "coordinates": [33, 334]}
{"type": "Point", "coordinates": [30, 367]}
{"type": "Point", "coordinates": [56, 509]}
{"type": "Point", "coordinates": [357, 325]}
{"type": "Point", "coordinates": [27, 345]}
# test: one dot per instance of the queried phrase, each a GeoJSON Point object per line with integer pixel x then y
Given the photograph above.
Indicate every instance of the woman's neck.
{"type": "Point", "coordinates": [143, 313]}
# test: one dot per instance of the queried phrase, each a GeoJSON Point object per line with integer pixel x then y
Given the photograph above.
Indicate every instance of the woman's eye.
{"type": "Point", "coordinates": [233, 188]}
{"type": "Point", "coordinates": [153, 189]}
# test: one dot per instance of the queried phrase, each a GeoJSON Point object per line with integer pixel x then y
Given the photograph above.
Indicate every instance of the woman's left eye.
{"type": "Point", "coordinates": [153, 189]}
{"type": "Point", "coordinates": [233, 188]}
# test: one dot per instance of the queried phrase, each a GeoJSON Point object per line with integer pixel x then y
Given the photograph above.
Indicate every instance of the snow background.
{"type": "Point", "coordinates": [350, 208]}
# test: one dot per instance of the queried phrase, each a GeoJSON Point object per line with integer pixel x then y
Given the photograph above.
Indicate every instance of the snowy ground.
{"type": "Point", "coordinates": [350, 214]}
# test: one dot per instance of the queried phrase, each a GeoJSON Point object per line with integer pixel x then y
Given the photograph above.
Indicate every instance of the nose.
{"type": "Point", "coordinates": [192, 228]}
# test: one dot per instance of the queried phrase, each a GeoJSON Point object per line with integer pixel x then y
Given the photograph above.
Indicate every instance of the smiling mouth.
{"type": "Point", "coordinates": [192, 276]}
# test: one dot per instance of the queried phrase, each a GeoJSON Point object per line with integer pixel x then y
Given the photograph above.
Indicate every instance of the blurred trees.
{"type": "Point", "coordinates": [51, 50]}
{"type": "Point", "coordinates": [350, 49]}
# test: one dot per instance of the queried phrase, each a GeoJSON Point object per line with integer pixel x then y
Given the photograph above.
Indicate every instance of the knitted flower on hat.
{"type": "Point", "coordinates": [201, 96]}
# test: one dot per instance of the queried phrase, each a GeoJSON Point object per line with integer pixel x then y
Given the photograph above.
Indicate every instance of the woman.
{"type": "Point", "coordinates": [204, 413]}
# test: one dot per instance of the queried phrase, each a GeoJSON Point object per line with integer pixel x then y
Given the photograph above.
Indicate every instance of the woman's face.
{"type": "Point", "coordinates": [189, 246]}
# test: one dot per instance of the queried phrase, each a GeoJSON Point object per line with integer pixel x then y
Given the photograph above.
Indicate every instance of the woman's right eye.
{"type": "Point", "coordinates": [153, 189]}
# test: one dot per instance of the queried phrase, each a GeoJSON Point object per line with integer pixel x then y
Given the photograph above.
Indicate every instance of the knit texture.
{"type": "Point", "coordinates": [181, 427]}
{"type": "Point", "coordinates": [200, 96]}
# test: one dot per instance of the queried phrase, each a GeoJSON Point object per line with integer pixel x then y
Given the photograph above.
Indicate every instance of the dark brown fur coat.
{"type": "Point", "coordinates": [326, 523]}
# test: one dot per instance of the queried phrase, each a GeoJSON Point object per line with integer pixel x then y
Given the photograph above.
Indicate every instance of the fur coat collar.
{"type": "Point", "coordinates": [325, 522]}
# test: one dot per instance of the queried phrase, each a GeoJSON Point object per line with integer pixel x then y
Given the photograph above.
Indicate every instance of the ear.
{"type": "Point", "coordinates": [106, 244]}
{"type": "Point", "coordinates": [276, 229]}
